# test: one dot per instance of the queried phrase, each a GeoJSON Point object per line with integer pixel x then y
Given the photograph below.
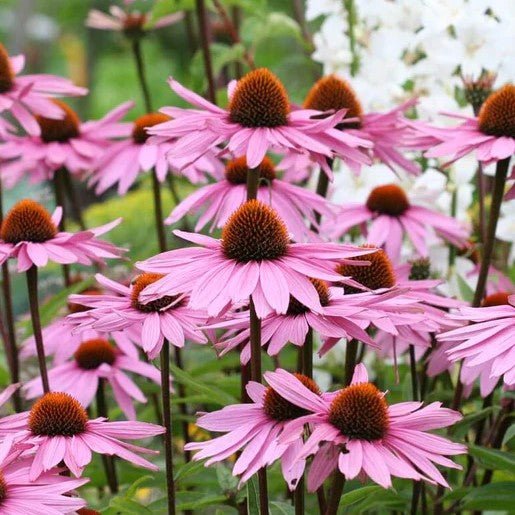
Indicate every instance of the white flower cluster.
{"type": "Point", "coordinates": [407, 47]}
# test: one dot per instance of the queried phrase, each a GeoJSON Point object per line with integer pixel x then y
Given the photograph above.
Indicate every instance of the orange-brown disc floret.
{"type": "Point", "coordinates": [260, 100]}
{"type": "Point", "coordinates": [140, 283]}
{"type": "Point", "coordinates": [360, 412]}
{"type": "Point", "coordinates": [333, 93]}
{"type": "Point", "coordinates": [297, 308]}
{"type": "Point", "coordinates": [93, 353]}
{"type": "Point", "coordinates": [499, 298]}
{"type": "Point", "coordinates": [254, 232]}
{"type": "Point", "coordinates": [134, 25]}
{"type": "Point", "coordinates": [139, 133]}
{"type": "Point", "coordinates": [59, 130]}
{"type": "Point", "coordinates": [87, 511]}
{"type": "Point", "coordinates": [497, 115]}
{"type": "Point", "coordinates": [3, 488]}
{"type": "Point", "coordinates": [389, 199]}
{"type": "Point", "coordinates": [28, 221]}
{"type": "Point", "coordinates": [278, 408]}
{"type": "Point", "coordinates": [420, 269]}
{"type": "Point", "coordinates": [379, 274]}
{"type": "Point", "coordinates": [236, 170]}
{"type": "Point", "coordinates": [6, 71]}
{"type": "Point", "coordinates": [74, 307]}
{"type": "Point", "coordinates": [57, 414]}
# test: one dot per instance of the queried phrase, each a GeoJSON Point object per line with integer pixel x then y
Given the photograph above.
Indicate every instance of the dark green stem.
{"type": "Point", "coordinates": [350, 360]}
{"type": "Point", "coordinates": [140, 69]}
{"type": "Point", "coordinates": [206, 53]}
{"type": "Point", "coordinates": [336, 493]}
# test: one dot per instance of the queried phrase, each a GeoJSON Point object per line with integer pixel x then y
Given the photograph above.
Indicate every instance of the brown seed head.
{"type": "Point", "coordinates": [93, 353]}
{"type": "Point", "coordinates": [140, 283]}
{"type": "Point", "coordinates": [6, 71]}
{"type": "Point", "coordinates": [379, 274]}
{"type": "Point", "coordinates": [278, 408]}
{"type": "Point", "coordinates": [236, 170]}
{"type": "Point", "coordinates": [28, 221]}
{"type": "Point", "coordinates": [499, 298]}
{"type": "Point", "coordinates": [260, 100]}
{"type": "Point", "coordinates": [497, 115]}
{"type": "Point", "coordinates": [57, 414]}
{"type": "Point", "coordinates": [59, 130]}
{"type": "Point", "coordinates": [420, 269]}
{"type": "Point", "coordinates": [139, 133]}
{"type": "Point", "coordinates": [254, 232]}
{"type": "Point", "coordinates": [360, 412]}
{"type": "Point", "coordinates": [389, 199]}
{"type": "Point", "coordinates": [297, 308]}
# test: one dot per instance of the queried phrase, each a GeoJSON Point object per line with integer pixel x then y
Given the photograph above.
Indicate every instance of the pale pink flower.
{"type": "Point", "coordinates": [131, 23]}
{"type": "Point", "coordinates": [295, 205]}
{"type": "Point", "coordinates": [95, 360]}
{"type": "Point", "coordinates": [124, 161]}
{"type": "Point", "coordinates": [24, 96]}
{"type": "Point", "coordinates": [148, 325]}
{"type": "Point", "coordinates": [388, 216]}
{"type": "Point", "coordinates": [253, 429]}
{"type": "Point", "coordinates": [259, 118]}
{"type": "Point", "coordinates": [379, 441]}
{"type": "Point", "coordinates": [31, 236]}
{"type": "Point", "coordinates": [490, 135]}
{"type": "Point", "coordinates": [253, 258]}
{"type": "Point", "coordinates": [66, 143]}
{"type": "Point", "coordinates": [59, 429]}
{"type": "Point", "coordinates": [487, 345]}
{"type": "Point", "coordinates": [50, 493]}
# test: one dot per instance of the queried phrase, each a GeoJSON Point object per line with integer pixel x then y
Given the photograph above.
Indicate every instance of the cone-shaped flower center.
{"type": "Point", "coordinates": [278, 408]}
{"type": "Point", "coordinates": [140, 283]}
{"type": "Point", "coordinates": [420, 269]}
{"type": "Point", "coordinates": [134, 24]}
{"type": "Point", "coordinates": [139, 133]}
{"type": "Point", "coordinates": [334, 93]}
{"type": "Point", "coordinates": [254, 232]}
{"type": "Point", "coordinates": [499, 298]}
{"type": "Point", "coordinates": [297, 308]}
{"type": "Point", "coordinates": [28, 221]}
{"type": "Point", "coordinates": [57, 414]}
{"type": "Point", "coordinates": [93, 353]}
{"type": "Point", "coordinates": [3, 488]}
{"type": "Point", "coordinates": [237, 169]}
{"type": "Point", "coordinates": [389, 199]}
{"type": "Point", "coordinates": [497, 116]}
{"type": "Point", "coordinates": [6, 71]}
{"type": "Point", "coordinates": [87, 511]}
{"type": "Point", "coordinates": [379, 274]}
{"type": "Point", "coordinates": [360, 412]}
{"type": "Point", "coordinates": [73, 307]}
{"type": "Point", "coordinates": [260, 100]}
{"type": "Point", "coordinates": [59, 130]}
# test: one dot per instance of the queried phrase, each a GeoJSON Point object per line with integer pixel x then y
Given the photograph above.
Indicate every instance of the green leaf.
{"type": "Point", "coordinates": [381, 498]}
{"type": "Point", "coordinates": [208, 500]}
{"type": "Point", "coordinates": [228, 483]}
{"type": "Point", "coordinates": [493, 459]}
{"type": "Point", "coordinates": [126, 506]}
{"type": "Point", "coordinates": [358, 495]}
{"type": "Point", "coordinates": [282, 508]}
{"type": "Point", "coordinates": [132, 490]}
{"type": "Point", "coordinates": [253, 496]}
{"type": "Point", "coordinates": [216, 395]}
{"type": "Point", "coordinates": [493, 497]}
{"type": "Point", "coordinates": [461, 427]}
{"type": "Point", "coordinates": [466, 292]}
{"type": "Point", "coordinates": [188, 469]}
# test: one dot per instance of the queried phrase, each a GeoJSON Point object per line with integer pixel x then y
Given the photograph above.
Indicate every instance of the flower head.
{"type": "Point", "coordinates": [29, 234]}
{"type": "Point", "coordinates": [25, 96]}
{"type": "Point", "coordinates": [258, 118]}
{"type": "Point", "coordinates": [121, 310]}
{"type": "Point", "coordinates": [356, 430]}
{"type": "Point", "coordinates": [63, 143]}
{"type": "Point", "coordinates": [254, 257]}
{"type": "Point", "coordinates": [58, 429]}
{"type": "Point", "coordinates": [94, 360]}
{"type": "Point", "coordinates": [295, 205]}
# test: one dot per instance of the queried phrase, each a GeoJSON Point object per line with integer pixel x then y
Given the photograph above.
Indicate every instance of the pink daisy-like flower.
{"type": "Point", "coordinates": [254, 429]}
{"type": "Point", "coordinates": [491, 135]}
{"type": "Point", "coordinates": [50, 494]}
{"type": "Point", "coordinates": [487, 345]}
{"type": "Point", "coordinates": [356, 431]}
{"type": "Point", "coordinates": [148, 325]}
{"type": "Point", "coordinates": [295, 205]}
{"type": "Point", "coordinates": [124, 161]}
{"type": "Point", "coordinates": [65, 143]}
{"type": "Point", "coordinates": [132, 24]}
{"type": "Point", "coordinates": [253, 258]}
{"type": "Point", "coordinates": [259, 118]}
{"type": "Point", "coordinates": [31, 235]}
{"type": "Point", "coordinates": [95, 360]}
{"type": "Point", "coordinates": [388, 216]}
{"type": "Point", "coordinates": [58, 429]}
{"type": "Point", "coordinates": [25, 96]}
{"type": "Point", "coordinates": [387, 131]}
